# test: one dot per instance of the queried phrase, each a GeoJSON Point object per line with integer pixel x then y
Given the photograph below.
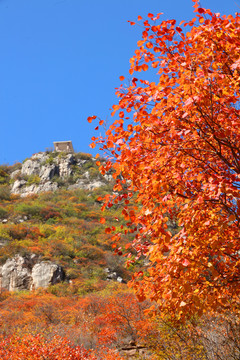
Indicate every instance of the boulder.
{"type": "Point", "coordinates": [16, 274]}
{"type": "Point", "coordinates": [46, 273]}
{"type": "Point", "coordinates": [29, 272]}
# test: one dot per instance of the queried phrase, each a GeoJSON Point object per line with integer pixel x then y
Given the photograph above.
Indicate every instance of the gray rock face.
{"type": "Point", "coordinates": [28, 272]}
{"type": "Point", "coordinates": [47, 172]}
{"type": "Point", "coordinates": [64, 165]}
{"type": "Point", "coordinates": [16, 273]}
{"type": "Point", "coordinates": [46, 273]}
{"type": "Point", "coordinates": [87, 185]}
{"type": "Point", "coordinates": [20, 187]}
{"type": "Point", "coordinates": [48, 169]}
{"type": "Point", "coordinates": [30, 167]}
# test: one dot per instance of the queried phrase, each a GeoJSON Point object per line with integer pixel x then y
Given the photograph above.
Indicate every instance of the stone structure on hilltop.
{"type": "Point", "coordinates": [65, 146]}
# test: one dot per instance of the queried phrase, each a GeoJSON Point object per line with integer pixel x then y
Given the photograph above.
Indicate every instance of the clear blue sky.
{"type": "Point", "coordinates": [60, 61]}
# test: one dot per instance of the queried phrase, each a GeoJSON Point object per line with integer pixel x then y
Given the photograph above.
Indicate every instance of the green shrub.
{"type": "Point", "coordinates": [51, 221]}
{"type": "Point", "coordinates": [4, 179]}
{"type": "Point", "coordinates": [82, 156]}
{"type": "Point", "coordinates": [5, 193]}
{"type": "Point", "coordinates": [91, 252]}
{"type": "Point", "coordinates": [28, 210]}
{"type": "Point", "coordinates": [50, 160]}
{"type": "Point", "coordinates": [59, 181]}
{"type": "Point", "coordinates": [88, 164]}
{"type": "Point", "coordinates": [33, 179]}
{"type": "Point", "coordinates": [3, 213]}
{"type": "Point", "coordinates": [94, 173]}
{"type": "Point", "coordinates": [61, 289]}
{"type": "Point", "coordinates": [72, 273]}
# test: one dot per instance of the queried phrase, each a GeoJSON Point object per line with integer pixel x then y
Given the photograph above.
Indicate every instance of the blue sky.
{"type": "Point", "coordinates": [60, 62]}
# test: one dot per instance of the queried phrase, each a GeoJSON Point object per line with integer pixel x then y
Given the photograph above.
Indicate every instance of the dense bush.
{"type": "Point", "coordinates": [33, 179]}
{"type": "Point", "coordinates": [3, 213]}
{"type": "Point", "coordinates": [5, 192]}
{"type": "Point", "coordinates": [28, 209]}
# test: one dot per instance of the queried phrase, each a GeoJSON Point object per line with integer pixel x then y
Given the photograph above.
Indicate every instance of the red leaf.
{"type": "Point", "coordinates": [185, 262]}
{"type": "Point", "coordinates": [178, 29]}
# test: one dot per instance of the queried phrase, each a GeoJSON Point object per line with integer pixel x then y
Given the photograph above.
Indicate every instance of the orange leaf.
{"type": "Point", "coordinates": [91, 118]}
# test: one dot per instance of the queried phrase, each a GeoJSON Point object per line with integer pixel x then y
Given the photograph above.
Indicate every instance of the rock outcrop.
{"type": "Point", "coordinates": [28, 273]}
{"type": "Point", "coordinates": [49, 171]}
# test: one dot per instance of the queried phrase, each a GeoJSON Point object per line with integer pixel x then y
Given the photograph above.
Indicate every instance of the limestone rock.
{"type": "Point", "coordinates": [64, 164]}
{"type": "Point", "coordinates": [47, 171]}
{"type": "Point", "coordinates": [46, 273]}
{"type": "Point", "coordinates": [16, 274]}
{"type": "Point", "coordinates": [19, 187]}
{"type": "Point", "coordinates": [28, 272]}
{"type": "Point", "coordinates": [30, 167]}
{"type": "Point", "coordinates": [87, 185]}
{"type": "Point", "coordinates": [14, 174]}
{"type": "Point", "coordinates": [47, 186]}
{"type": "Point", "coordinates": [41, 157]}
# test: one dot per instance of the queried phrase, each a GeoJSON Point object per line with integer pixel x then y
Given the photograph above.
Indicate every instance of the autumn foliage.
{"type": "Point", "coordinates": [173, 151]}
{"type": "Point", "coordinates": [175, 144]}
{"type": "Point", "coordinates": [38, 348]}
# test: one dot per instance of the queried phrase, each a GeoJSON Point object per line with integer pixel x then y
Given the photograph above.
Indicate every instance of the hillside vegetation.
{"type": "Point", "coordinates": [92, 313]}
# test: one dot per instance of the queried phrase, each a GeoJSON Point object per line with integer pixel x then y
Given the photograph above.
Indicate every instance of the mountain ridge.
{"type": "Point", "coordinates": [49, 171]}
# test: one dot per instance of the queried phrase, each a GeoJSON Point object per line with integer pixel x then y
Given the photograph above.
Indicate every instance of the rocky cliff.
{"type": "Point", "coordinates": [48, 171]}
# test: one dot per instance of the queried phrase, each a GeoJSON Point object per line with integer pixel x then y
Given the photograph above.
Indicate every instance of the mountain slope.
{"type": "Point", "coordinates": [50, 211]}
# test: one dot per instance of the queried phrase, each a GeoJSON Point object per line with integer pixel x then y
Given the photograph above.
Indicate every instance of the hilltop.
{"type": "Point", "coordinates": [49, 171]}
